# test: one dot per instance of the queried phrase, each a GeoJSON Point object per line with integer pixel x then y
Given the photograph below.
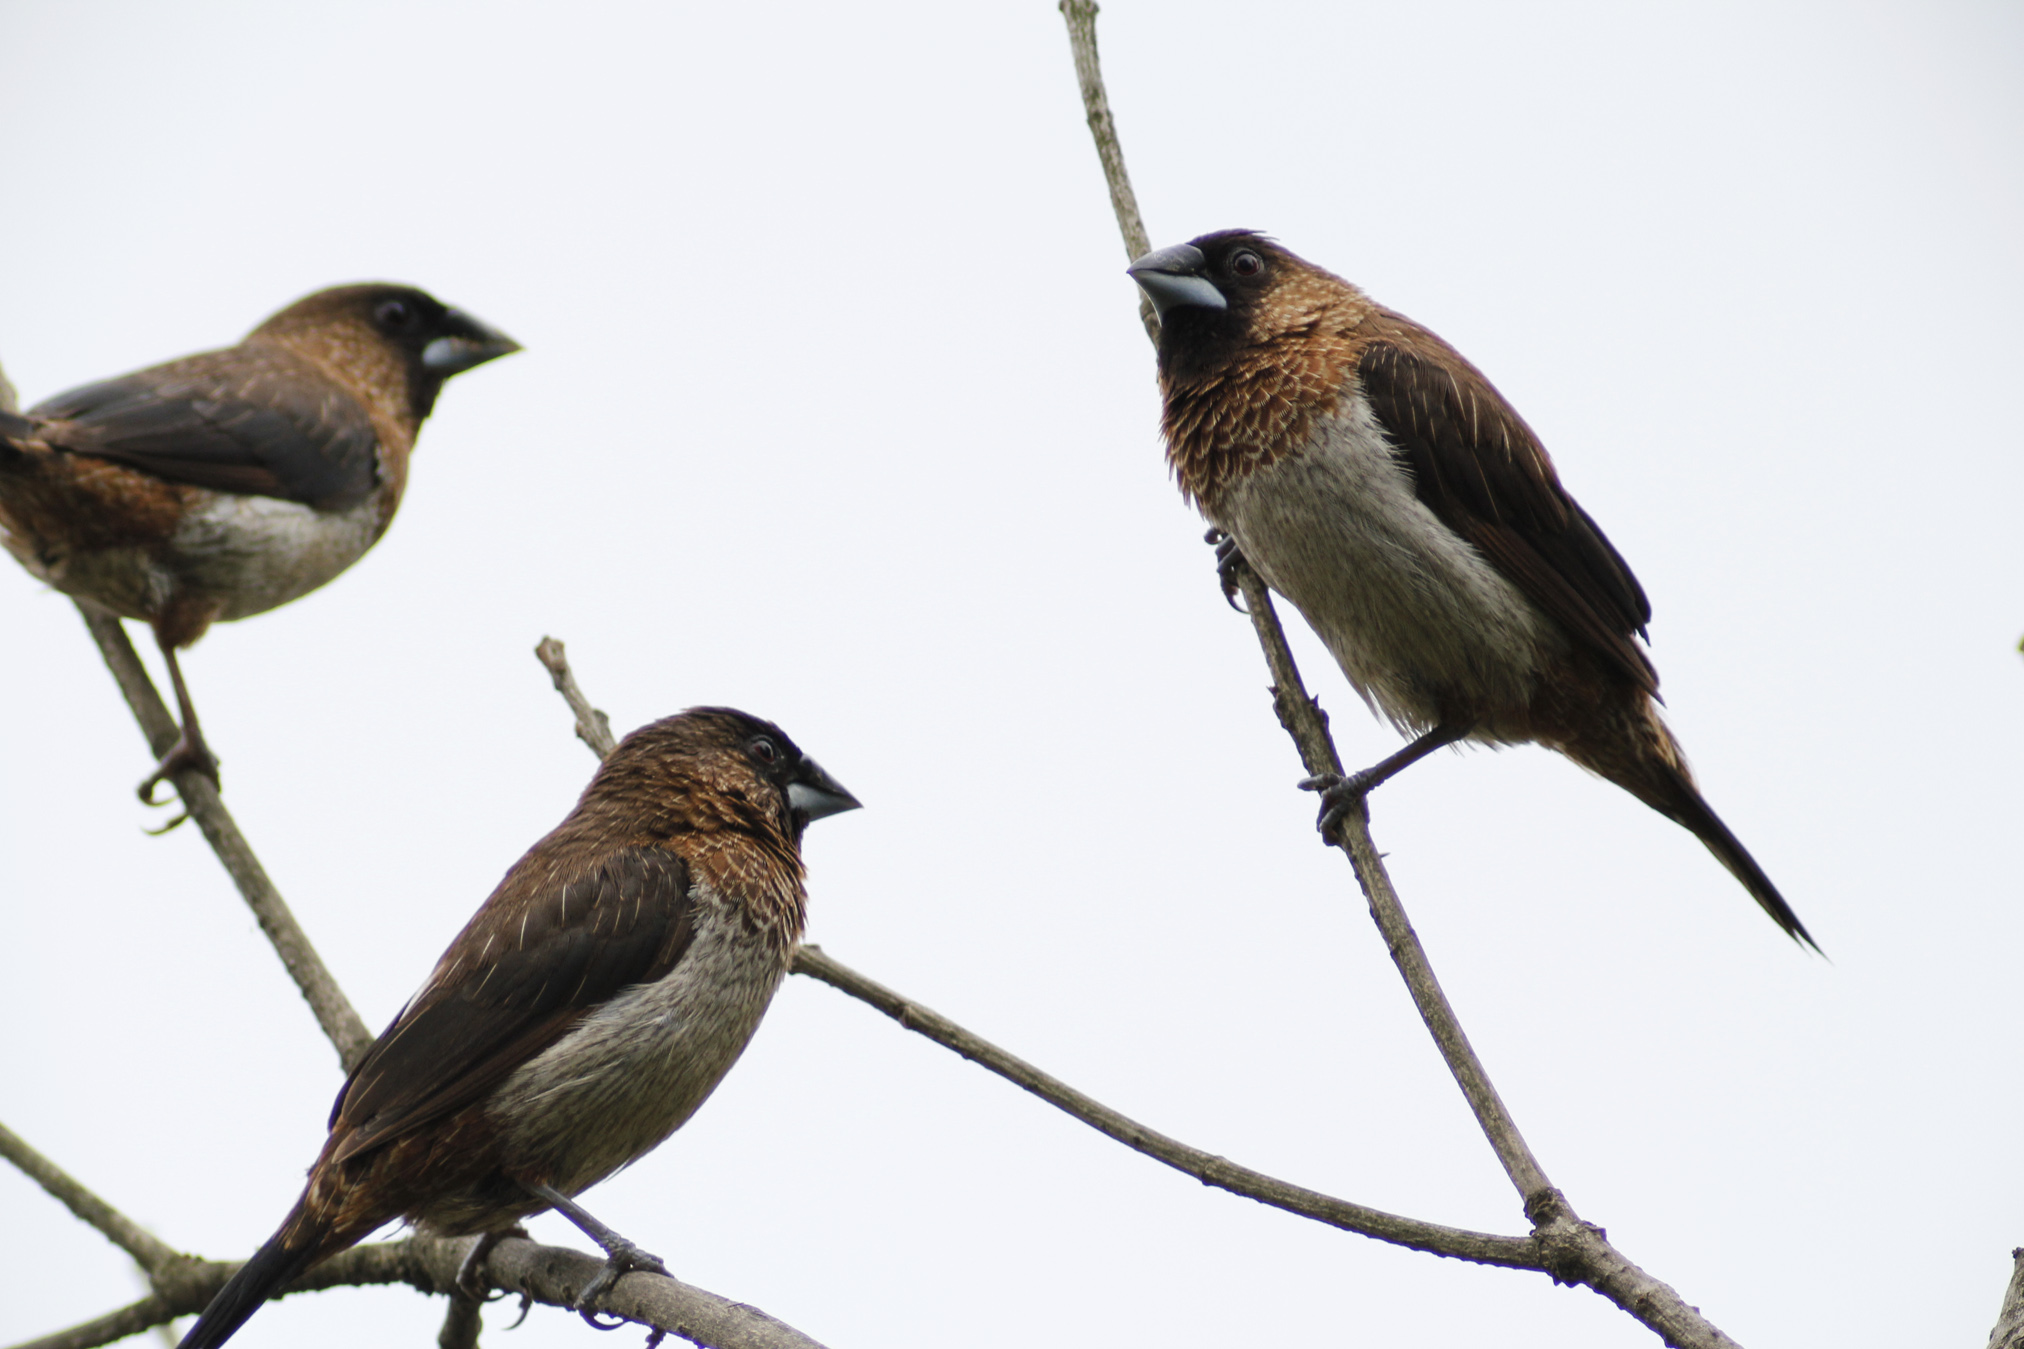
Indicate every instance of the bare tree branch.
{"type": "Point", "coordinates": [150, 1311]}
{"type": "Point", "coordinates": [2009, 1331]}
{"type": "Point", "coordinates": [1304, 722]}
{"type": "Point", "coordinates": [461, 1323]}
{"type": "Point", "coordinates": [326, 1000]}
{"type": "Point", "coordinates": [551, 1275]}
{"type": "Point", "coordinates": [1481, 1247]}
{"type": "Point", "coordinates": [149, 1251]}
{"type": "Point", "coordinates": [1081, 16]}
{"type": "Point", "coordinates": [1576, 1251]}
{"type": "Point", "coordinates": [593, 727]}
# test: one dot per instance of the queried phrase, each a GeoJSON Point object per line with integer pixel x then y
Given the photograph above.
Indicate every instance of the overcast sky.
{"type": "Point", "coordinates": [834, 407]}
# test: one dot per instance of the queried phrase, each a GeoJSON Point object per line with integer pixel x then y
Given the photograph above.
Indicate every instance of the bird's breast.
{"type": "Point", "coordinates": [255, 552]}
{"type": "Point", "coordinates": [634, 1070]}
{"type": "Point", "coordinates": [1420, 622]}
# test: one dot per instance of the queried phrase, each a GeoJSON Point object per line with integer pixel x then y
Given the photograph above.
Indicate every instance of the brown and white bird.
{"type": "Point", "coordinates": [224, 484]}
{"type": "Point", "coordinates": [582, 1015]}
{"type": "Point", "coordinates": [1377, 480]}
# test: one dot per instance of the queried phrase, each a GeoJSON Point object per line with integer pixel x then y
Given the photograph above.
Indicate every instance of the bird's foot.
{"type": "Point", "coordinates": [1230, 564]}
{"type": "Point", "coordinates": [621, 1257]}
{"type": "Point", "coordinates": [189, 752]}
{"type": "Point", "coordinates": [1339, 796]}
{"type": "Point", "coordinates": [471, 1273]}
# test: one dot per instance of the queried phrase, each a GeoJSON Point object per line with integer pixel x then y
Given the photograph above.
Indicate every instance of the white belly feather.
{"type": "Point", "coordinates": [1414, 615]}
{"type": "Point", "coordinates": [637, 1068]}
{"type": "Point", "coordinates": [263, 552]}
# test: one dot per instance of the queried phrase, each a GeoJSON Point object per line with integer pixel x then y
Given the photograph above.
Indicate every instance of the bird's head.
{"type": "Point", "coordinates": [1226, 292]}
{"type": "Point", "coordinates": [383, 333]}
{"type": "Point", "coordinates": [721, 768]}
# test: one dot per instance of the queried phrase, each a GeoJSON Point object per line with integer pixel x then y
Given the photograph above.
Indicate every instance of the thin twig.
{"type": "Point", "coordinates": [1303, 722]}
{"type": "Point", "coordinates": [1481, 1247]}
{"type": "Point", "coordinates": [1576, 1251]}
{"type": "Point", "coordinates": [132, 1319]}
{"type": "Point", "coordinates": [149, 1251]}
{"type": "Point", "coordinates": [593, 727]}
{"type": "Point", "coordinates": [1081, 17]}
{"type": "Point", "coordinates": [326, 1000]}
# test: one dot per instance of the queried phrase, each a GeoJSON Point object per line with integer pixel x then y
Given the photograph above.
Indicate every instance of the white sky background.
{"type": "Point", "coordinates": [834, 407]}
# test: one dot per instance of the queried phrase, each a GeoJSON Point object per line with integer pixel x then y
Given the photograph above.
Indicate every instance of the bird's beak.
{"type": "Point", "coordinates": [466, 343]}
{"type": "Point", "coordinates": [1172, 279]}
{"type": "Point", "coordinates": [814, 793]}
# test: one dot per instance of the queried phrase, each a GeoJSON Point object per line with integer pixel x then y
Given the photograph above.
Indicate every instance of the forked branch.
{"type": "Point", "coordinates": [1576, 1252]}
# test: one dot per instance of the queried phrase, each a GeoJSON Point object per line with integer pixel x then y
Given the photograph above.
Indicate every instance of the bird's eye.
{"type": "Point", "coordinates": [1246, 263]}
{"type": "Point", "coordinates": [396, 316]}
{"type": "Point", "coordinates": [764, 750]}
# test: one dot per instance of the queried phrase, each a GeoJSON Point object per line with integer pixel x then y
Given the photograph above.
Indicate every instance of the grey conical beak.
{"type": "Point", "coordinates": [814, 793]}
{"type": "Point", "coordinates": [1172, 279]}
{"type": "Point", "coordinates": [467, 343]}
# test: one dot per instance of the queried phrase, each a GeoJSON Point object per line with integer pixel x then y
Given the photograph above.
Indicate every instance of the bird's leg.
{"type": "Point", "coordinates": [621, 1257]}
{"type": "Point", "coordinates": [471, 1273]}
{"type": "Point", "coordinates": [1340, 795]}
{"type": "Point", "coordinates": [189, 751]}
{"type": "Point", "coordinates": [1229, 562]}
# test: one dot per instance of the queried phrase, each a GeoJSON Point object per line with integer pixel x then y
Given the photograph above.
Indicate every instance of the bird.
{"type": "Point", "coordinates": [227, 483]}
{"type": "Point", "coordinates": [582, 1015]}
{"type": "Point", "coordinates": [1376, 479]}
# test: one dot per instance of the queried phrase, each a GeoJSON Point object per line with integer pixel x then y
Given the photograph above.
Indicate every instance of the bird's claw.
{"type": "Point", "coordinates": [1229, 564]}
{"type": "Point", "coordinates": [187, 753]}
{"type": "Point", "coordinates": [470, 1273]}
{"type": "Point", "coordinates": [1339, 796]}
{"type": "Point", "coordinates": [620, 1259]}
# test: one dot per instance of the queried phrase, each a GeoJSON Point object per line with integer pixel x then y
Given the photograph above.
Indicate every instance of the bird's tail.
{"type": "Point", "coordinates": [289, 1252]}
{"type": "Point", "coordinates": [1659, 777]}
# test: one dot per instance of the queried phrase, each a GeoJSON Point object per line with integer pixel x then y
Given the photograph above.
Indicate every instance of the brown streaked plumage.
{"type": "Point", "coordinates": [224, 484]}
{"type": "Point", "coordinates": [582, 1015]}
{"type": "Point", "coordinates": [1377, 480]}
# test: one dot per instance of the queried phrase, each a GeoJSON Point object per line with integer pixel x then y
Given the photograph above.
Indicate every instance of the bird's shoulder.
{"type": "Point", "coordinates": [257, 420]}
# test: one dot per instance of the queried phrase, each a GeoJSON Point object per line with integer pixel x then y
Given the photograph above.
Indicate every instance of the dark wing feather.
{"type": "Point", "coordinates": [543, 952]}
{"type": "Point", "coordinates": [253, 421]}
{"type": "Point", "coordinates": [1481, 471]}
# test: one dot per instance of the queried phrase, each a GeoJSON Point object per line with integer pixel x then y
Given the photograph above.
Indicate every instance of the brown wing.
{"type": "Point", "coordinates": [253, 420]}
{"type": "Point", "coordinates": [540, 954]}
{"type": "Point", "coordinates": [1479, 468]}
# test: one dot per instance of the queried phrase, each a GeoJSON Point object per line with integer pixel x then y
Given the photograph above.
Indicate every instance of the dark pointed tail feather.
{"type": "Point", "coordinates": [271, 1269]}
{"type": "Point", "coordinates": [1670, 792]}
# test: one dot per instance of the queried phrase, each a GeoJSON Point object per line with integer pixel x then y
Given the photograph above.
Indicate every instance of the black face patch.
{"type": "Point", "coordinates": [1242, 265]}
